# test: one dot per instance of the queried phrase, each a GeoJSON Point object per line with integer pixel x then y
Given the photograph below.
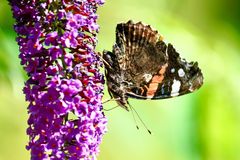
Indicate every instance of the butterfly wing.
{"type": "Point", "coordinates": [176, 78]}
{"type": "Point", "coordinates": [140, 55]}
{"type": "Point", "coordinates": [152, 69]}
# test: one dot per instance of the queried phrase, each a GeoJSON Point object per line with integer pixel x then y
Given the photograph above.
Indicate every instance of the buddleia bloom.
{"type": "Point", "coordinates": [64, 88]}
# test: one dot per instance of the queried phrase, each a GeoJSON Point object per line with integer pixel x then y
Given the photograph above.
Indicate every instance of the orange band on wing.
{"type": "Point", "coordinates": [156, 79]}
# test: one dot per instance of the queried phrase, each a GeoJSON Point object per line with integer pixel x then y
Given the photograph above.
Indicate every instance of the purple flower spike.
{"type": "Point", "coordinates": [57, 40]}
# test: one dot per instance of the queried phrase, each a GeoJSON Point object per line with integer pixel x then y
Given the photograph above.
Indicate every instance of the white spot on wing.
{"type": "Point", "coordinates": [172, 70]}
{"type": "Point", "coordinates": [175, 88]}
{"type": "Point", "coordinates": [181, 72]}
{"type": "Point", "coordinates": [147, 77]}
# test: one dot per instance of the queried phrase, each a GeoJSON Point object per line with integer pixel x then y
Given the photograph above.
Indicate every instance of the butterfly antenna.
{"type": "Point", "coordinates": [139, 118]}
{"type": "Point", "coordinates": [134, 117]}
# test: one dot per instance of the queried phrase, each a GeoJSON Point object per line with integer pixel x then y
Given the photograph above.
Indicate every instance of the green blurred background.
{"type": "Point", "coordinates": [204, 125]}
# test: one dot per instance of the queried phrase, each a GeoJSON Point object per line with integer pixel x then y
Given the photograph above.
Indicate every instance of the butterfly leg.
{"type": "Point", "coordinates": [112, 99]}
{"type": "Point", "coordinates": [111, 108]}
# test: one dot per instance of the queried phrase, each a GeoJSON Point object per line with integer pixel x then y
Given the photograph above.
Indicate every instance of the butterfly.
{"type": "Point", "coordinates": [142, 66]}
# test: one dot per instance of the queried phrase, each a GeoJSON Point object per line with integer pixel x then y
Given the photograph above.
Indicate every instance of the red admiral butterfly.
{"type": "Point", "coordinates": [142, 66]}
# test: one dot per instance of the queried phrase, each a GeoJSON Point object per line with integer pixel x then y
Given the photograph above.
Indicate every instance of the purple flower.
{"type": "Point", "coordinates": [64, 86]}
{"type": "Point", "coordinates": [69, 39]}
{"type": "Point", "coordinates": [51, 38]}
{"type": "Point", "coordinates": [55, 52]}
{"type": "Point", "coordinates": [75, 21]}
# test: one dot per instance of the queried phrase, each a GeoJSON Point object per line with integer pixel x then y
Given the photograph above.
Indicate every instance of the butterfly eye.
{"type": "Point", "coordinates": [108, 57]}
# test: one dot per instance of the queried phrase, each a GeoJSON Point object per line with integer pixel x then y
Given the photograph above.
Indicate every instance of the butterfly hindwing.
{"type": "Point", "coordinates": [176, 77]}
